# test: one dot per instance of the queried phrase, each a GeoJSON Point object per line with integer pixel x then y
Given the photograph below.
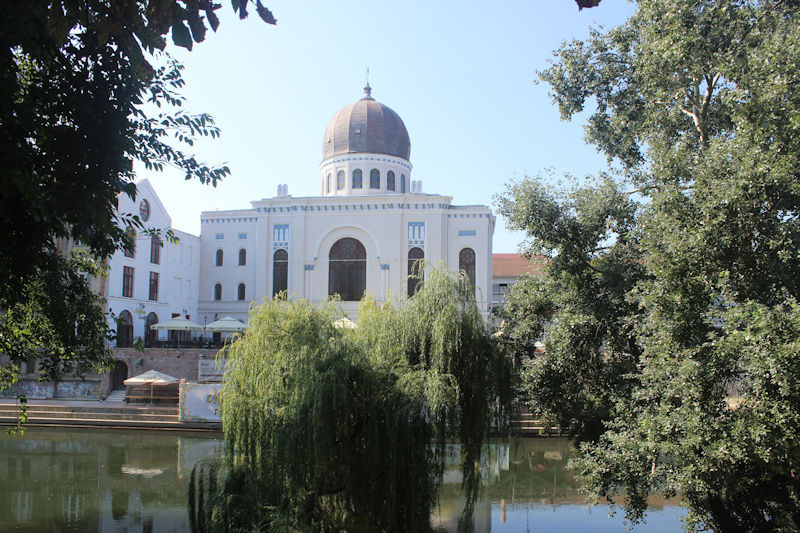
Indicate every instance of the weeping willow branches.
{"type": "Point", "coordinates": [329, 428]}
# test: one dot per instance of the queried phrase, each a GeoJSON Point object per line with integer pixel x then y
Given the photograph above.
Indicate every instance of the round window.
{"type": "Point", "coordinates": [144, 210]}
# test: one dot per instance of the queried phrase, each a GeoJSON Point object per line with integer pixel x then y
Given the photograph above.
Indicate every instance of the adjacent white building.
{"type": "Point", "coordinates": [157, 280]}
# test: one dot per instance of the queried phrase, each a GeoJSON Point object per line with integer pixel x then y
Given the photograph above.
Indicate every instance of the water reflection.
{"type": "Point", "coordinates": [69, 480]}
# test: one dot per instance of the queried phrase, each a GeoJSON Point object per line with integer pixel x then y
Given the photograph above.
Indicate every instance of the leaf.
{"type": "Point", "coordinates": [264, 13]}
{"type": "Point", "coordinates": [181, 36]}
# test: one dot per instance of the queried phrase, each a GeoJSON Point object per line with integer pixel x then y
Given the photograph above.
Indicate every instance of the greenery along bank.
{"type": "Point", "coordinates": [329, 428]}
{"type": "Point", "coordinates": [674, 281]}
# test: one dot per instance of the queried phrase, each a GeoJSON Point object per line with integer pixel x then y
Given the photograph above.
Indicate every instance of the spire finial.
{"type": "Point", "coordinates": [367, 88]}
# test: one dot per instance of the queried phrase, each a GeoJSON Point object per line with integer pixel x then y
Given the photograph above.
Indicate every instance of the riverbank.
{"type": "Point", "coordinates": [108, 414]}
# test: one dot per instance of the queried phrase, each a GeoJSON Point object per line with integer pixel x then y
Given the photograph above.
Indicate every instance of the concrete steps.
{"type": "Point", "coordinates": [102, 414]}
{"type": "Point", "coordinates": [528, 425]}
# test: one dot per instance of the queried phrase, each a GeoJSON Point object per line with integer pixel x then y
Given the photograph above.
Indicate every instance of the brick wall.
{"type": "Point", "coordinates": [182, 364]}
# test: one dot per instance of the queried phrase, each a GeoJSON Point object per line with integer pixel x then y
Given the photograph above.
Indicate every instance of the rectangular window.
{"type": "Point", "coordinates": [242, 236]}
{"type": "Point", "coordinates": [190, 255]}
{"type": "Point", "coordinates": [127, 282]}
{"type": "Point", "coordinates": [219, 236]}
{"type": "Point", "coordinates": [154, 286]}
{"type": "Point", "coordinates": [155, 250]}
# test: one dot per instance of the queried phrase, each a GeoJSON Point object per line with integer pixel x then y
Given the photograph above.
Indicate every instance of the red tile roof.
{"type": "Point", "coordinates": [508, 265]}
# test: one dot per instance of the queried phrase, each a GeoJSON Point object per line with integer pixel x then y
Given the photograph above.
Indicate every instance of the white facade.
{"type": "Point", "coordinates": [176, 266]}
{"type": "Point", "coordinates": [367, 196]}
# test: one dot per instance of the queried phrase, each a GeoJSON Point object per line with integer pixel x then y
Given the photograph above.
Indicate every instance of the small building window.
{"type": "Point", "coordinates": [415, 257]}
{"type": "Point", "coordinates": [328, 184]}
{"type": "Point", "coordinates": [218, 292]}
{"type": "Point", "coordinates": [153, 286]}
{"type": "Point", "coordinates": [357, 179]}
{"type": "Point", "coordinates": [242, 257]}
{"type": "Point", "coordinates": [242, 236]}
{"type": "Point", "coordinates": [150, 335]}
{"type": "Point", "coordinates": [374, 179]}
{"type": "Point", "coordinates": [390, 180]}
{"type": "Point", "coordinates": [403, 183]}
{"type": "Point", "coordinates": [155, 249]}
{"type": "Point", "coordinates": [240, 292]}
{"type": "Point", "coordinates": [127, 282]}
{"type": "Point", "coordinates": [219, 257]}
{"type": "Point", "coordinates": [280, 272]}
{"type": "Point", "coordinates": [340, 180]}
{"type": "Point", "coordinates": [130, 242]}
{"type": "Point", "coordinates": [219, 236]}
{"type": "Point", "coordinates": [466, 262]}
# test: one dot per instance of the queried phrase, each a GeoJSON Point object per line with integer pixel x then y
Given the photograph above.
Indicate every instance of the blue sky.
{"type": "Point", "coordinates": [460, 75]}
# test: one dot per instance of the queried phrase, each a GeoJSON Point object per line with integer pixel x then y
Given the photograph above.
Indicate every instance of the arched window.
{"type": "Point", "coordinates": [150, 335]}
{"type": "Point", "coordinates": [280, 271]}
{"type": "Point", "coordinates": [403, 183]}
{"type": "Point", "coordinates": [357, 181]}
{"type": "Point", "coordinates": [390, 180]}
{"type": "Point", "coordinates": [219, 258]}
{"type": "Point", "coordinates": [242, 257]}
{"type": "Point", "coordinates": [415, 255]}
{"type": "Point", "coordinates": [347, 269]}
{"type": "Point", "coordinates": [218, 291]}
{"type": "Point", "coordinates": [466, 262]}
{"type": "Point", "coordinates": [374, 179]}
{"type": "Point", "coordinates": [340, 180]}
{"type": "Point", "coordinates": [240, 292]}
{"type": "Point", "coordinates": [328, 184]}
{"type": "Point", "coordinates": [125, 330]}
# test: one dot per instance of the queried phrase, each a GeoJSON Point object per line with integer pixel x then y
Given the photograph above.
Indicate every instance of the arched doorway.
{"type": "Point", "coordinates": [124, 330]}
{"type": "Point", "coordinates": [150, 335]}
{"type": "Point", "coordinates": [347, 269]}
{"type": "Point", "coordinates": [118, 375]}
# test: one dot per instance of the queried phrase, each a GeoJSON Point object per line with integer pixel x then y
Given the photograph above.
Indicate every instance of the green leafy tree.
{"type": "Point", "coordinates": [696, 104]}
{"type": "Point", "coordinates": [329, 429]}
{"type": "Point", "coordinates": [84, 92]}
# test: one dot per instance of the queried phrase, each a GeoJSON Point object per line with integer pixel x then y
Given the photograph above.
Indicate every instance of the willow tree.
{"type": "Point", "coordinates": [329, 428]}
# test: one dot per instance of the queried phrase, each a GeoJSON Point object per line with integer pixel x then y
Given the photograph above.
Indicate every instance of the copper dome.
{"type": "Point", "coordinates": [367, 126]}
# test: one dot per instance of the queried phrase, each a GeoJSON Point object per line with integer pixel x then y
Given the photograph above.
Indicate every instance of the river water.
{"type": "Point", "coordinates": [120, 481]}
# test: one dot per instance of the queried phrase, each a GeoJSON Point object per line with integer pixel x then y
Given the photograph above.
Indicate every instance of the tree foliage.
{"type": "Point", "coordinates": [696, 104]}
{"type": "Point", "coordinates": [84, 93]}
{"type": "Point", "coordinates": [330, 428]}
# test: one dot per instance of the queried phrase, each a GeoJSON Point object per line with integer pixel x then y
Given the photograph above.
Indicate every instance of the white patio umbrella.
{"type": "Point", "coordinates": [177, 324]}
{"type": "Point", "coordinates": [227, 323]}
{"type": "Point", "coordinates": [344, 323]}
{"type": "Point", "coordinates": [152, 378]}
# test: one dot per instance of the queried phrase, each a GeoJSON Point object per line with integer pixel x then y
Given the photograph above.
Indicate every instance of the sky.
{"type": "Point", "coordinates": [461, 75]}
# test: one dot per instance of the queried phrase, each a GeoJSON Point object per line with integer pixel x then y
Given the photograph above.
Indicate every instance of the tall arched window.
{"type": "Point", "coordinates": [218, 291]}
{"type": "Point", "coordinates": [219, 258]}
{"type": "Point", "coordinates": [240, 292]}
{"type": "Point", "coordinates": [403, 183]}
{"type": "Point", "coordinates": [415, 255]}
{"type": "Point", "coordinates": [328, 184]}
{"type": "Point", "coordinates": [357, 179]}
{"type": "Point", "coordinates": [150, 335]}
{"type": "Point", "coordinates": [280, 271]}
{"type": "Point", "coordinates": [242, 257]}
{"type": "Point", "coordinates": [340, 180]}
{"type": "Point", "coordinates": [374, 179]}
{"type": "Point", "coordinates": [466, 262]}
{"type": "Point", "coordinates": [125, 330]}
{"type": "Point", "coordinates": [347, 269]}
{"type": "Point", "coordinates": [390, 180]}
